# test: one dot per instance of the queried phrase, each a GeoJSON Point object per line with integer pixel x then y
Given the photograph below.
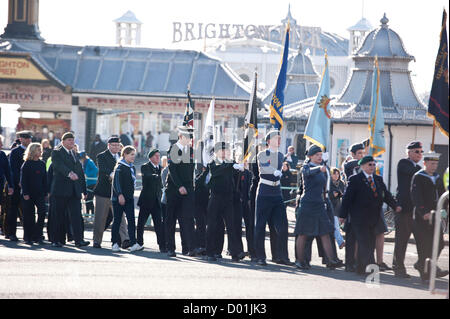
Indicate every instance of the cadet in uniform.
{"type": "Point", "coordinates": [269, 201]}
{"type": "Point", "coordinates": [150, 199]}
{"type": "Point", "coordinates": [220, 206]}
{"type": "Point", "coordinates": [180, 192]}
{"type": "Point", "coordinates": [426, 188]}
{"type": "Point", "coordinates": [406, 169]}
{"type": "Point", "coordinates": [16, 161]}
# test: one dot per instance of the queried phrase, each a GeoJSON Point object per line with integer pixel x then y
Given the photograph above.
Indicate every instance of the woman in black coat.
{"type": "Point", "coordinates": [286, 179]}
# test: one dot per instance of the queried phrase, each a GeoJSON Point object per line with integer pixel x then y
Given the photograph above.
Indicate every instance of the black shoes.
{"type": "Point", "coordinates": [334, 264]}
{"type": "Point", "coordinates": [29, 242]}
{"type": "Point", "coordinates": [211, 258]}
{"type": "Point", "coordinates": [163, 250]}
{"type": "Point", "coordinates": [302, 265]}
{"type": "Point", "coordinates": [350, 268]}
{"type": "Point", "coordinates": [126, 244]}
{"type": "Point", "coordinates": [171, 253]}
{"type": "Point", "coordinates": [384, 267]}
{"type": "Point", "coordinates": [401, 273]}
{"type": "Point", "coordinates": [284, 262]}
{"type": "Point", "coordinates": [218, 256]}
{"type": "Point", "coordinates": [82, 243]}
{"type": "Point", "coordinates": [57, 245]}
{"type": "Point", "coordinates": [13, 238]}
{"type": "Point", "coordinates": [97, 245]}
{"type": "Point", "coordinates": [261, 262]}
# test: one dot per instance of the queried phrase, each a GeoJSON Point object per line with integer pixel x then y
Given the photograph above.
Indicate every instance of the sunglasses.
{"type": "Point", "coordinates": [418, 152]}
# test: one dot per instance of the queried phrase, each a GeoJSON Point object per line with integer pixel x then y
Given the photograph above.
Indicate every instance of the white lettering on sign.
{"type": "Point", "coordinates": [161, 105]}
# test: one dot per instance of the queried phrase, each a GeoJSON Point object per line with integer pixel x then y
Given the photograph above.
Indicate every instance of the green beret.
{"type": "Point", "coordinates": [366, 159]}
{"type": "Point", "coordinates": [153, 152]}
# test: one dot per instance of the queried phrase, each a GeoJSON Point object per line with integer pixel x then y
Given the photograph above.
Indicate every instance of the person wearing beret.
{"type": "Point", "coordinates": [406, 169]}
{"type": "Point", "coordinates": [103, 206]}
{"type": "Point", "coordinates": [16, 161]}
{"type": "Point", "coordinates": [220, 205]}
{"type": "Point", "coordinates": [313, 218]}
{"type": "Point", "coordinates": [180, 192]}
{"type": "Point", "coordinates": [68, 185]}
{"type": "Point", "coordinates": [362, 202]}
{"type": "Point", "coordinates": [426, 188]}
{"type": "Point", "coordinates": [270, 207]}
{"type": "Point", "coordinates": [150, 199]}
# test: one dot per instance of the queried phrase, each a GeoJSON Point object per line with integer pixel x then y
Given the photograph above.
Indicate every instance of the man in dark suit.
{"type": "Point", "coordinates": [96, 148]}
{"type": "Point", "coordinates": [180, 192]}
{"type": "Point", "coordinates": [106, 162]}
{"type": "Point", "coordinates": [150, 199]}
{"type": "Point", "coordinates": [406, 169]}
{"type": "Point", "coordinates": [362, 202]}
{"type": "Point", "coordinates": [201, 206]}
{"type": "Point", "coordinates": [426, 189]}
{"type": "Point", "coordinates": [67, 186]}
{"type": "Point", "coordinates": [16, 162]}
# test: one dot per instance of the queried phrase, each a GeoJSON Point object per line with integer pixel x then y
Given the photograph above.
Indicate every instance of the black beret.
{"type": "Point", "coordinates": [313, 149]}
{"type": "Point", "coordinates": [221, 146]}
{"type": "Point", "coordinates": [356, 147]}
{"type": "Point", "coordinates": [272, 133]}
{"type": "Point", "coordinates": [414, 144]}
{"type": "Point", "coordinates": [67, 135]}
{"type": "Point", "coordinates": [153, 152]}
{"type": "Point", "coordinates": [114, 139]}
{"type": "Point", "coordinates": [366, 159]}
{"type": "Point", "coordinates": [24, 134]}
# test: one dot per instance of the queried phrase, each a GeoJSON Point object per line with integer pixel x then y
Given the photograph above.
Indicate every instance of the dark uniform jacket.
{"type": "Point", "coordinates": [181, 171]}
{"type": "Point", "coordinates": [201, 190]}
{"type": "Point", "coordinates": [151, 185]}
{"type": "Point", "coordinates": [424, 193]}
{"type": "Point", "coordinates": [351, 168]}
{"type": "Point", "coordinates": [64, 163]}
{"type": "Point", "coordinates": [405, 172]}
{"type": "Point", "coordinates": [106, 163]}
{"type": "Point", "coordinates": [123, 182]}
{"type": "Point", "coordinates": [15, 162]}
{"type": "Point", "coordinates": [5, 171]}
{"type": "Point", "coordinates": [222, 178]}
{"type": "Point", "coordinates": [359, 201]}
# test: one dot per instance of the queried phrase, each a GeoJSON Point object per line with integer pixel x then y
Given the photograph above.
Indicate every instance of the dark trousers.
{"type": "Point", "coordinates": [32, 230]}
{"type": "Point", "coordinates": [237, 225]}
{"type": "Point", "coordinates": [249, 220]}
{"type": "Point", "coordinates": [118, 211]}
{"type": "Point", "coordinates": [180, 208]}
{"type": "Point", "coordinates": [424, 233]}
{"type": "Point", "coordinates": [90, 200]}
{"type": "Point", "coordinates": [72, 206]}
{"type": "Point", "coordinates": [350, 245]}
{"type": "Point", "coordinates": [144, 212]}
{"type": "Point", "coordinates": [200, 224]}
{"type": "Point", "coordinates": [51, 214]}
{"type": "Point", "coordinates": [163, 224]}
{"type": "Point", "coordinates": [403, 230]}
{"type": "Point", "coordinates": [271, 210]}
{"type": "Point", "coordinates": [366, 237]}
{"type": "Point", "coordinates": [220, 210]}
{"type": "Point", "coordinates": [12, 213]}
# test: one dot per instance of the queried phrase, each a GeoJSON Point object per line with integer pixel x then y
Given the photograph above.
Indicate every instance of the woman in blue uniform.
{"type": "Point", "coordinates": [313, 220]}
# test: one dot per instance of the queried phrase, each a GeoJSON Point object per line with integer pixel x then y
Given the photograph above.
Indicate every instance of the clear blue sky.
{"type": "Point", "coordinates": [83, 22]}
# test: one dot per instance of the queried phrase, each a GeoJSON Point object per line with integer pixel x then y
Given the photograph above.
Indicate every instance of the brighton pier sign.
{"type": "Point", "coordinates": [190, 31]}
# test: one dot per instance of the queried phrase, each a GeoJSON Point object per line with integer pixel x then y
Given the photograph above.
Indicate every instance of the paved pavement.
{"type": "Point", "coordinates": [70, 272]}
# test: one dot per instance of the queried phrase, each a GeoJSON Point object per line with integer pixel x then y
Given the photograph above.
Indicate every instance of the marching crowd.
{"type": "Point", "coordinates": [218, 197]}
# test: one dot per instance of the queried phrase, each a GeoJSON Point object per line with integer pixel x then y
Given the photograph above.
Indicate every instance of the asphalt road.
{"type": "Point", "coordinates": [70, 272]}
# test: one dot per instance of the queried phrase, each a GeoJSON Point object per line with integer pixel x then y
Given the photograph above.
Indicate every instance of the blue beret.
{"type": "Point", "coordinates": [366, 159]}
{"type": "Point", "coordinates": [356, 147]}
{"type": "Point", "coordinates": [414, 144]}
{"type": "Point", "coordinates": [313, 149]}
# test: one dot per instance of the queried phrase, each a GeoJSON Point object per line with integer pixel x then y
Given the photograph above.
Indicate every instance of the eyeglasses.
{"type": "Point", "coordinates": [418, 152]}
{"type": "Point", "coordinates": [371, 164]}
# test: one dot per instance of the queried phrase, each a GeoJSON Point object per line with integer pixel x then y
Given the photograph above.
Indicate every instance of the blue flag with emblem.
{"type": "Point", "coordinates": [376, 118]}
{"type": "Point", "coordinates": [318, 127]}
{"type": "Point", "coordinates": [277, 104]}
{"type": "Point", "coordinates": [438, 107]}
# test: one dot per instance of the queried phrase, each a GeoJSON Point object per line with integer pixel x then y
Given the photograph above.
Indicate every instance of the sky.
{"type": "Point", "coordinates": [90, 22]}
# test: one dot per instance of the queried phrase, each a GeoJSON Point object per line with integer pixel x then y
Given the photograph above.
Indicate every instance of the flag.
{"type": "Point", "coordinates": [438, 104]}
{"type": "Point", "coordinates": [251, 126]}
{"type": "Point", "coordinates": [208, 135]}
{"type": "Point", "coordinates": [277, 104]}
{"type": "Point", "coordinates": [189, 115]}
{"type": "Point", "coordinates": [318, 127]}
{"type": "Point", "coordinates": [376, 118]}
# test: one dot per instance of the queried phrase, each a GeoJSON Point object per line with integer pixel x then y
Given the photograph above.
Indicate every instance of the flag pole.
{"type": "Point", "coordinates": [432, 137]}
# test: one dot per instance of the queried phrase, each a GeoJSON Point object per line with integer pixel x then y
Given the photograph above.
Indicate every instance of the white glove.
{"type": "Point", "coordinates": [239, 167]}
{"type": "Point", "coordinates": [325, 156]}
{"type": "Point", "coordinates": [277, 173]}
